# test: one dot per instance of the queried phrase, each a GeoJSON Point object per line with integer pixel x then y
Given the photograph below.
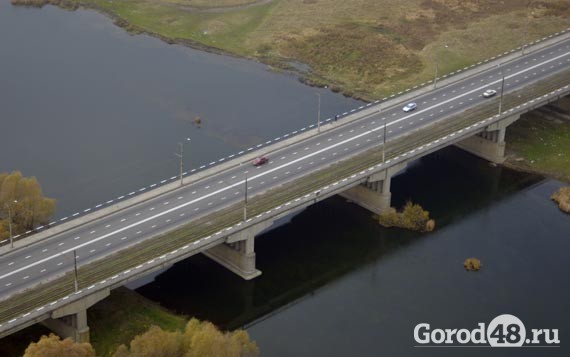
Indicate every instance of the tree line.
{"type": "Point", "coordinates": [199, 339]}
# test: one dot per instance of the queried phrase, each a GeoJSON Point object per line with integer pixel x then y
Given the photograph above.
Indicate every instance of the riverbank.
{"type": "Point", "coordinates": [538, 143]}
{"type": "Point", "coordinates": [114, 321]}
{"type": "Point", "coordinates": [366, 50]}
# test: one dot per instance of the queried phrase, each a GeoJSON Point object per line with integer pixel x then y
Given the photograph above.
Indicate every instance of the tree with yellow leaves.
{"type": "Point", "coordinates": [22, 204]}
{"type": "Point", "coordinates": [199, 339]}
{"type": "Point", "coordinates": [53, 346]}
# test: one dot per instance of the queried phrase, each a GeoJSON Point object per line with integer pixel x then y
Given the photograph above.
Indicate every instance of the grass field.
{"type": "Point", "coordinates": [114, 321]}
{"type": "Point", "coordinates": [542, 145]}
{"type": "Point", "coordinates": [364, 48]}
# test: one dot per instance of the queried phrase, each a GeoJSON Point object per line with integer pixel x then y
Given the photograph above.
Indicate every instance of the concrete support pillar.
{"type": "Point", "coordinates": [73, 326]}
{"type": "Point", "coordinates": [489, 144]}
{"type": "Point", "coordinates": [374, 194]}
{"type": "Point", "coordinates": [71, 320]}
{"type": "Point", "coordinates": [563, 104]}
{"type": "Point", "coordinates": [238, 252]}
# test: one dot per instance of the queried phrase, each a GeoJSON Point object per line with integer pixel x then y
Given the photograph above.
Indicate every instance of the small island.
{"type": "Point", "coordinates": [472, 264]}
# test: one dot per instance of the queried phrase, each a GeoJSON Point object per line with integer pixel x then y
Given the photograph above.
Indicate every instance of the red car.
{"type": "Point", "coordinates": [260, 161]}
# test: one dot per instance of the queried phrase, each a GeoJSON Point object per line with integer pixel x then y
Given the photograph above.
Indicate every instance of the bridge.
{"type": "Point", "coordinates": [55, 274]}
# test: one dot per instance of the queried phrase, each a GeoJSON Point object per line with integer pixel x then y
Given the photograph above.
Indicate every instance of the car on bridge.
{"type": "Point", "coordinates": [260, 161]}
{"type": "Point", "coordinates": [409, 107]}
{"type": "Point", "coordinates": [489, 93]}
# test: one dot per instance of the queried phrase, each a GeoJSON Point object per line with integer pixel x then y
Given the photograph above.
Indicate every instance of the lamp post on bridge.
{"type": "Point", "coordinates": [245, 201]}
{"type": "Point", "coordinates": [384, 137]}
{"type": "Point", "coordinates": [526, 25]}
{"type": "Point", "coordinates": [318, 112]}
{"type": "Point", "coordinates": [501, 98]}
{"type": "Point", "coordinates": [180, 155]}
{"type": "Point", "coordinates": [75, 282]}
{"type": "Point", "coordinates": [9, 208]}
{"type": "Point", "coordinates": [436, 69]}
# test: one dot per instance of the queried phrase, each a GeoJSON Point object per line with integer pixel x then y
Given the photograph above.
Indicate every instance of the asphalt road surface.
{"type": "Point", "coordinates": [53, 256]}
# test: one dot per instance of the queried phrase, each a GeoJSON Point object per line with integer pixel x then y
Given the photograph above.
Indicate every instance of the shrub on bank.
{"type": "Point", "coordinates": [562, 197]}
{"type": "Point", "coordinates": [412, 217]}
{"type": "Point", "coordinates": [199, 339]}
{"type": "Point", "coordinates": [53, 345]}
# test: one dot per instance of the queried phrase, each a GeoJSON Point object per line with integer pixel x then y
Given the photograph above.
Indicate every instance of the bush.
{"type": "Point", "coordinates": [53, 346]}
{"type": "Point", "coordinates": [199, 339]}
{"type": "Point", "coordinates": [562, 197]}
{"type": "Point", "coordinates": [412, 217]}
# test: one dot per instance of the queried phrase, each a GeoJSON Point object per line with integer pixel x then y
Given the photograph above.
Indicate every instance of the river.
{"type": "Point", "coordinates": [93, 112]}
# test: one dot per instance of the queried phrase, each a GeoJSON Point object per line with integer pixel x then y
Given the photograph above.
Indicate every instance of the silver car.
{"type": "Point", "coordinates": [489, 93]}
{"type": "Point", "coordinates": [409, 107]}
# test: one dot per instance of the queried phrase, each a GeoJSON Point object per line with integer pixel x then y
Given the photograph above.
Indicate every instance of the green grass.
{"type": "Point", "coordinates": [365, 48]}
{"type": "Point", "coordinates": [540, 145]}
{"type": "Point", "coordinates": [114, 321]}
{"type": "Point", "coordinates": [124, 314]}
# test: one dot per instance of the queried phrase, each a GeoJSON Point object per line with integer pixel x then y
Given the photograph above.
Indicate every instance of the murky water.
{"type": "Point", "coordinates": [334, 283]}
{"type": "Point", "coordinates": [94, 112]}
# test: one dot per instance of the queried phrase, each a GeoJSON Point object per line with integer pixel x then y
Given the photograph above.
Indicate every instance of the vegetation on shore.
{"type": "Point", "coordinates": [123, 315]}
{"type": "Point", "coordinates": [128, 324]}
{"type": "Point", "coordinates": [562, 198]}
{"type": "Point", "coordinates": [365, 48]}
{"type": "Point", "coordinates": [412, 217]}
{"type": "Point", "coordinates": [541, 144]}
{"type": "Point", "coordinates": [23, 206]}
{"type": "Point", "coordinates": [198, 339]}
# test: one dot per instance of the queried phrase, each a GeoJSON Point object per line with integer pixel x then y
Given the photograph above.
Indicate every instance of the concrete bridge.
{"type": "Point", "coordinates": [56, 274]}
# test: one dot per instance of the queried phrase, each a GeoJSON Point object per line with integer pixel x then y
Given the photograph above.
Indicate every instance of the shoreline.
{"type": "Point", "coordinates": [309, 79]}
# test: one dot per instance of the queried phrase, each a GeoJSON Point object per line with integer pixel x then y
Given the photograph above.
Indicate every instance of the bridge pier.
{"type": "Point", "coordinates": [237, 253]}
{"type": "Point", "coordinates": [563, 104]}
{"type": "Point", "coordinates": [490, 143]}
{"type": "Point", "coordinates": [71, 320]}
{"type": "Point", "coordinates": [374, 194]}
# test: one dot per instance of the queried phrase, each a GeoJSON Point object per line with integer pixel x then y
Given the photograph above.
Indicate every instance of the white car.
{"type": "Point", "coordinates": [489, 93]}
{"type": "Point", "coordinates": [409, 107]}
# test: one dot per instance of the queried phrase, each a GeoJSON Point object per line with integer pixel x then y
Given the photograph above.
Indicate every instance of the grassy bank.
{"type": "Point", "coordinates": [364, 48]}
{"type": "Point", "coordinates": [124, 314]}
{"type": "Point", "coordinates": [540, 144]}
{"type": "Point", "coordinates": [113, 321]}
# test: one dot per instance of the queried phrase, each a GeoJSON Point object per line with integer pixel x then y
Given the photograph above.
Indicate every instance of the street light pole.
{"type": "Point", "coordinates": [502, 91]}
{"type": "Point", "coordinates": [8, 206]}
{"type": "Point", "coordinates": [319, 113]}
{"type": "Point", "coordinates": [75, 270]}
{"type": "Point", "coordinates": [435, 75]}
{"type": "Point", "coordinates": [525, 32]}
{"type": "Point", "coordinates": [245, 201]}
{"type": "Point", "coordinates": [384, 143]}
{"type": "Point", "coordinates": [181, 156]}
{"type": "Point", "coordinates": [436, 69]}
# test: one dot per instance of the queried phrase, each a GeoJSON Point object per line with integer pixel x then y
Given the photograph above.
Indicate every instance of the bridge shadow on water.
{"type": "Point", "coordinates": [322, 244]}
{"type": "Point", "coordinates": [331, 239]}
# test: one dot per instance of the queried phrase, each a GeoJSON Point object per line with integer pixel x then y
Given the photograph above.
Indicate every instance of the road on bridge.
{"type": "Point", "coordinates": [53, 256]}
